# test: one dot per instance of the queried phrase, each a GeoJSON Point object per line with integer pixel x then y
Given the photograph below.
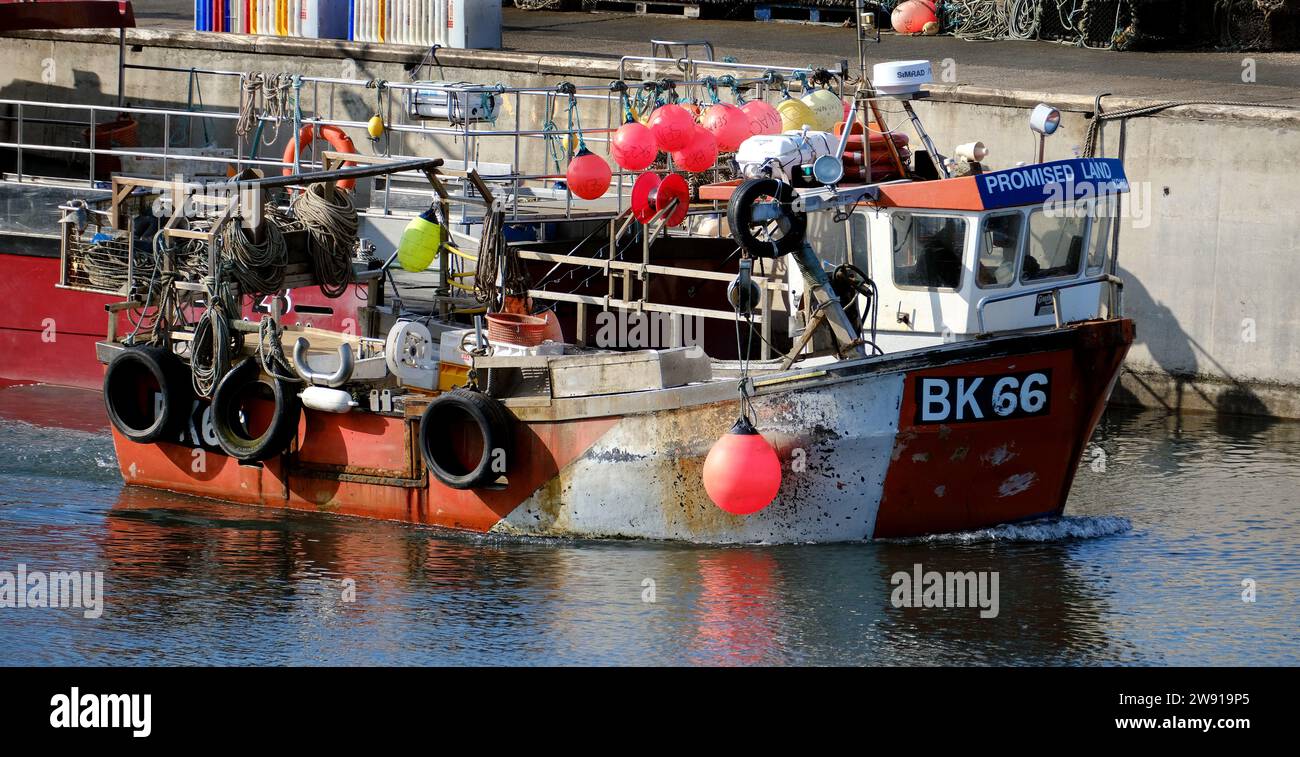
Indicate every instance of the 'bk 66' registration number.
{"type": "Point", "coordinates": [959, 399]}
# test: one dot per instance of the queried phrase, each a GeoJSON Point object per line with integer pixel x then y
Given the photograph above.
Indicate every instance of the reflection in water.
{"type": "Point", "coordinates": [1166, 520]}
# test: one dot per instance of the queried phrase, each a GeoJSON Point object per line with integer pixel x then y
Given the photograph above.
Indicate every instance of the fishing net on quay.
{"type": "Point", "coordinates": [1102, 24]}
{"type": "Point", "coordinates": [1129, 24]}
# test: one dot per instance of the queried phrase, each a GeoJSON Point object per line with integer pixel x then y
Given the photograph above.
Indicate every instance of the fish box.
{"type": "Point", "coordinates": [611, 373]}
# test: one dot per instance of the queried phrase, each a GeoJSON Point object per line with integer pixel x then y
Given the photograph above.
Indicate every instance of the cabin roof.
{"type": "Point", "coordinates": [1059, 180]}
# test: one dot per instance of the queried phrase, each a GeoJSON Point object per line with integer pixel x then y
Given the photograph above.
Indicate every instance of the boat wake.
{"type": "Point", "coordinates": [30, 450]}
{"type": "Point", "coordinates": [1054, 529]}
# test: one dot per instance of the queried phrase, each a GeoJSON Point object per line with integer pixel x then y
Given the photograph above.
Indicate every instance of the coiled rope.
{"type": "Point", "coordinates": [332, 227]}
{"type": "Point", "coordinates": [977, 19]}
{"type": "Point", "coordinates": [210, 349]}
{"type": "Point", "coordinates": [496, 259]}
{"type": "Point", "coordinates": [259, 268]}
{"type": "Point", "coordinates": [274, 89]}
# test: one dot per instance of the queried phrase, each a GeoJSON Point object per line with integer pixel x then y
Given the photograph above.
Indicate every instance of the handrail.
{"type": "Point", "coordinates": [1117, 289]}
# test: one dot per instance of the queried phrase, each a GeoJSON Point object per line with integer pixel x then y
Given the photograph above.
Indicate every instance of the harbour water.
{"type": "Point", "coordinates": [1170, 522]}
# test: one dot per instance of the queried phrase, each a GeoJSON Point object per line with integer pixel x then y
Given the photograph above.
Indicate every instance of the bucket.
{"type": "Point", "coordinates": [515, 328]}
{"type": "Point", "coordinates": [121, 132]}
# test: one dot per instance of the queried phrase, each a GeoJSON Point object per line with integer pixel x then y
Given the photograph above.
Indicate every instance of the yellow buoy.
{"type": "Point", "coordinates": [826, 107]}
{"type": "Point", "coordinates": [420, 242]}
{"type": "Point", "coordinates": [375, 127]}
{"type": "Point", "coordinates": [795, 115]}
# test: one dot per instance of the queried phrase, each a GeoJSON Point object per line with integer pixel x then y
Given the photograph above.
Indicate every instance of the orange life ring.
{"type": "Point", "coordinates": [334, 135]}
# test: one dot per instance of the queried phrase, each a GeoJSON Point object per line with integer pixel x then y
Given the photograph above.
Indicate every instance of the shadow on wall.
{"type": "Point", "coordinates": [1181, 357]}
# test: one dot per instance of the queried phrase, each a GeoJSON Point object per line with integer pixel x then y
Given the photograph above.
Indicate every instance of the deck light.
{"type": "Point", "coordinates": [1044, 121]}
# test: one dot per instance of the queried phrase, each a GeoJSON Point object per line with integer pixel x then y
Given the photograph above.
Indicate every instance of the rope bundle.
{"type": "Point", "coordinates": [496, 260]}
{"type": "Point", "coordinates": [978, 19]}
{"type": "Point", "coordinates": [274, 89]}
{"type": "Point", "coordinates": [259, 268]}
{"type": "Point", "coordinates": [331, 224]}
{"type": "Point", "coordinates": [210, 349]}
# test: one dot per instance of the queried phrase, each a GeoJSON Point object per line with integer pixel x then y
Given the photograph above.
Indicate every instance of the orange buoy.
{"type": "Point", "coordinates": [742, 474]}
{"type": "Point", "coordinates": [911, 17]}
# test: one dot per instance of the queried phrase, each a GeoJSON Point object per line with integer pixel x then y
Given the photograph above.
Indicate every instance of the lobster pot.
{"type": "Point", "coordinates": [450, 23]}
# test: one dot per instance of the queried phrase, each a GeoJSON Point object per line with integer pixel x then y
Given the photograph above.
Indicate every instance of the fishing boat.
{"type": "Point", "coordinates": [823, 336]}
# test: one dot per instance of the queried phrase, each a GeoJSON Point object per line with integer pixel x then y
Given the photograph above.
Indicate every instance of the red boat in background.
{"type": "Point", "coordinates": [48, 333]}
{"type": "Point", "coordinates": [22, 15]}
{"type": "Point", "coordinates": [30, 268]}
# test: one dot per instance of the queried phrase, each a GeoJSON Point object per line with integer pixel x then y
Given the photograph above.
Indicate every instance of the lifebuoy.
{"type": "Point", "coordinates": [134, 376]}
{"type": "Point", "coordinates": [242, 429]}
{"type": "Point", "coordinates": [334, 135]}
{"type": "Point", "coordinates": [789, 228]}
{"type": "Point", "coordinates": [466, 438]}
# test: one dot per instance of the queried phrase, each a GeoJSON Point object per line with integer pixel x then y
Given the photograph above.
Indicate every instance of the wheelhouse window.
{"type": "Point", "coordinates": [999, 249]}
{"type": "Point", "coordinates": [928, 250]}
{"type": "Point", "coordinates": [1103, 211]}
{"type": "Point", "coordinates": [1056, 239]}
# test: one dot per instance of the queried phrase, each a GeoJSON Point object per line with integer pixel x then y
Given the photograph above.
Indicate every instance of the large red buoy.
{"type": "Point", "coordinates": [728, 124]}
{"type": "Point", "coordinates": [763, 118]}
{"type": "Point", "coordinates": [672, 126]}
{"type": "Point", "coordinates": [700, 154]}
{"type": "Point", "coordinates": [633, 147]}
{"type": "Point", "coordinates": [588, 175]}
{"type": "Point", "coordinates": [742, 473]}
{"type": "Point", "coordinates": [911, 17]}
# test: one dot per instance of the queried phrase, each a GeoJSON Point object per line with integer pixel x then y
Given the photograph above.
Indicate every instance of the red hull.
{"type": "Point", "coordinates": [942, 476]}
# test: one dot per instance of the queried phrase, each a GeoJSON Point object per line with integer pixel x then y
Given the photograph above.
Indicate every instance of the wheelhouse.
{"type": "Point", "coordinates": [957, 264]}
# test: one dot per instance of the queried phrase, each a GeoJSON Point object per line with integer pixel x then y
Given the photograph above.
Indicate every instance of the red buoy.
{"type": "Point", "coordinates": [763, 118]}
{"type": "Point", "coordinates": [728, 124]}
{"type": "Point", "coordinates": [588, 175]}
{"type": "Point", "coordinates": [742, 473]}
{"type": "Point", "coordinates": [633, 147]}
{"type": "Point", "coordinates": [672, 126]}
{"type": "Point", "coordinates": [700, 154]}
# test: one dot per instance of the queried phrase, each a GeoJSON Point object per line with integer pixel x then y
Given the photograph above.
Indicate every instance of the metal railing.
{"type": "Point", "coordinates": [314, 101]}
{"type": "Point", "coordinates": [1115, 307]}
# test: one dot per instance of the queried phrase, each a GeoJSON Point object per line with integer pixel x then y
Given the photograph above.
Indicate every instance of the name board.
{"type": "Point", "coordinates": [1058, 181]}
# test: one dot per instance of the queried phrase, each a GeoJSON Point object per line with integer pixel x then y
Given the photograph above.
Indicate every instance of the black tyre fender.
{"type": "Point", "coordinates": [496, 428]}
{"type": "Point", "coordinates": [740, 213]}
{"type": "Point", "coordinates": [235, 440]}
{"type": "Point", "coordinates": [146, 364]}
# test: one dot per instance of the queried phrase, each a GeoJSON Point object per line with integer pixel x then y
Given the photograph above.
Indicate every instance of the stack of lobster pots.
{"type": "Point", "coordinates": [857, 157]}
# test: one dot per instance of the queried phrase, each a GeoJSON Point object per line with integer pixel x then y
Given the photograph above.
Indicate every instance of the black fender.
{"type": "Point", "coordinates": [232, 434]}
{"type": "Point", "coordinates": [493, 423]}
{"type": "Point", "coordinates": [131, 374]}
{"type": "Point", "coordinates": [740, 216]}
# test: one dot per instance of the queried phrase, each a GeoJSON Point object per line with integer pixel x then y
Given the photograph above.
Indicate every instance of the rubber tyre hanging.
{"type": "Point", "coordinates": [740, 215]}
{"type": "Point", "coordinates": [130, 373]}
{"type": "Point", "coordinates": [232, 433]}
{"type": "Point", "coordinates": [493, 424]}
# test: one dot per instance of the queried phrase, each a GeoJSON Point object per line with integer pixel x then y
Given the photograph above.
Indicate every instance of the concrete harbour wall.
{"type": "Point", "coordinates": [1208, 245]}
